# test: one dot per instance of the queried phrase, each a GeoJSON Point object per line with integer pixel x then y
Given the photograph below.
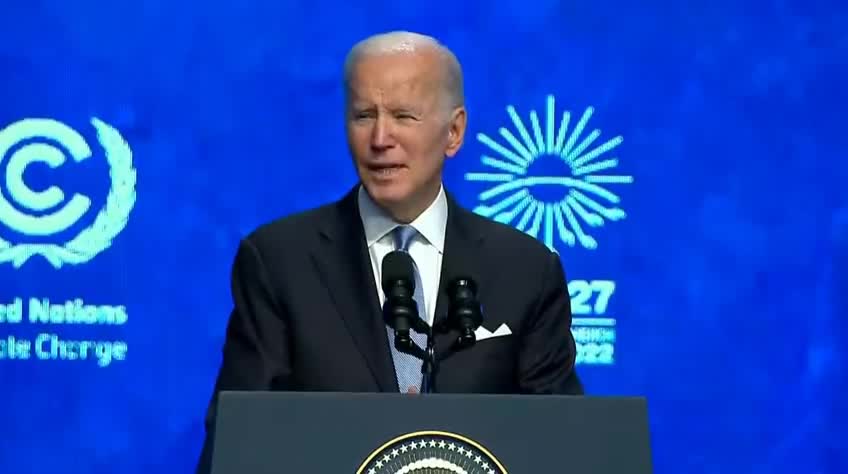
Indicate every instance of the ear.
{"type": "Point", "coordinates": [456, 131]}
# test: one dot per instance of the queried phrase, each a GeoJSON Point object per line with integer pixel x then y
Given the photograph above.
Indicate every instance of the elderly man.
{"type": "Point", "coordinates": [306, 288]}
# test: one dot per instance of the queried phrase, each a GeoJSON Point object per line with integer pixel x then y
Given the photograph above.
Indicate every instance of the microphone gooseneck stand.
{"type": "Point", "coordinates": [400, 312]}
{"type": "Point", "coordinates": [464, 316]}
{"type": "Point", "coordinates": [430, 365]}
{"type": "Point", "coordinates": [428, 356]}
{"type": "Point", "coordinates": [430, 362]}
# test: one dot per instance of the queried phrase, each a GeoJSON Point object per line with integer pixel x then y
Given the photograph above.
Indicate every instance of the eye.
{"type": "Point", "coordinates": [405, 116]}
{"type": "Point", "coordinates": [362, 114]}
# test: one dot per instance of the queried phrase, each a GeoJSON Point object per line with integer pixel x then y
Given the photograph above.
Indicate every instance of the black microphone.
{"type": "Point", "coordinates": [464, 311]}
{"type": "Point", "coordinates": [400, 311]}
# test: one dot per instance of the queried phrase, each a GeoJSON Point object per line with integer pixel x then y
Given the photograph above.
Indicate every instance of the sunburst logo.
{"type": "Point", "coordinates": [529, 173]}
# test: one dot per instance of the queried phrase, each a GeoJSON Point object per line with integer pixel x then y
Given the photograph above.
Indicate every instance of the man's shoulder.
{"type": "Point", "coordinates": [505, 239]}
{"type": "Point", "coordinates": [292, 228]}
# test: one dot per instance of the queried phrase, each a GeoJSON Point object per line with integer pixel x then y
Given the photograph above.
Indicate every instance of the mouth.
{"type": "Point", "coordinates": [385, 170]}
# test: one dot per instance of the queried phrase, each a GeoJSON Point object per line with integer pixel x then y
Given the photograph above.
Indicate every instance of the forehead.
{"type": "Point", "coordinates": [396, 76]}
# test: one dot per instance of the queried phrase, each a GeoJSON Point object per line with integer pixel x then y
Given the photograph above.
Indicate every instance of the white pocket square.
{"type": "Point", "coordinates": [482, 333]}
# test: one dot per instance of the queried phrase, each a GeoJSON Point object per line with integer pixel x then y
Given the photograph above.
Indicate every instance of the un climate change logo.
{"type": "Point", "coordinates": [431, 452]}
{"type": "Point", "coordinates": [110, 221]}
{"type": "Point", "coordinates": [551, 157]}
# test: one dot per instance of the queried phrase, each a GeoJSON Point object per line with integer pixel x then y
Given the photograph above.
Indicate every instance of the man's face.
{"type": "Point", "coordinates": [400, 129]}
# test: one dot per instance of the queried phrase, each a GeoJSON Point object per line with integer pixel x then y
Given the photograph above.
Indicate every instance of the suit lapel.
{"type": "Point", "coordinates": [461, 258]}
{"type": "Point", "coordinates": [345, 265]}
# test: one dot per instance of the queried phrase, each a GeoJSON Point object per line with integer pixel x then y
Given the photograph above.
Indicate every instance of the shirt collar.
{"type": "Point", "coordinates": [430, 224]}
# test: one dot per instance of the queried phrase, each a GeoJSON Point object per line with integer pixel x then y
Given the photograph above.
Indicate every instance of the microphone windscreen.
{"type": "Point", "coordinates": [462, 287]}
{"type": "Point", "coordinates": [396, 266]}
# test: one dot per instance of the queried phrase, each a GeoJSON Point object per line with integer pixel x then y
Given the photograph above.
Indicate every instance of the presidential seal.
{"type": "Point", "coordinates": [431, 452]}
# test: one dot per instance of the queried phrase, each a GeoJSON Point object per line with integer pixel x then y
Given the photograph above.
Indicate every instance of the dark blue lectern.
{"type": "Point", "coordinates": [336, 433]}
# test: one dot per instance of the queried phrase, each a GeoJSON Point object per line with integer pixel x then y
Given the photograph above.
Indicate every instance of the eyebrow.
{"type": "Point", "coordinates": [360, 106]}
{"type": "Point", "coordinates": [406, 108]}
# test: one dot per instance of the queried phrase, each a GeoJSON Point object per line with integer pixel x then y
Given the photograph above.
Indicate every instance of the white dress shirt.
{"type": "Point", "coordinates": [426, 248]}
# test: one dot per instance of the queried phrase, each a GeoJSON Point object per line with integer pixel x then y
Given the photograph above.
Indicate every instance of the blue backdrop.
{"type": "Point", "coordinates": [687, 159]}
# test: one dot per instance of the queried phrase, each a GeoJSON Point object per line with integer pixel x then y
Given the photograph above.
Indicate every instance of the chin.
{"type": "Point", "coordinates": [389, 194]}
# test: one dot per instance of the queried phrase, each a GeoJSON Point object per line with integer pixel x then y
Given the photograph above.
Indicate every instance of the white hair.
{"type": "Point", "coordinates": [395, 42]}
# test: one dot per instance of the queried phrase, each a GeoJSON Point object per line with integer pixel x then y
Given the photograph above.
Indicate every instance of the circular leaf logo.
{"type": "Point", "coordinates": [111, 219]}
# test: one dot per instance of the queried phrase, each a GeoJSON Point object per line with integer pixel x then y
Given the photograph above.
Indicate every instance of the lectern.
{"type": "Point", "coordinates": [337, 433]}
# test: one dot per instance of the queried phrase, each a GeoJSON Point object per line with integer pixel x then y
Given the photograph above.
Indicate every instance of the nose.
{"type": "Point", "coordinates": [381, 137]}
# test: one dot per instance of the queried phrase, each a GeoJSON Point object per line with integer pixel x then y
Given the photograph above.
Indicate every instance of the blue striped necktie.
{"type": "Point", "coordinates": [407, 367]}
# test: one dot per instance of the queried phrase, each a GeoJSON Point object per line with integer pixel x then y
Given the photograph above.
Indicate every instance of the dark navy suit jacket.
{"type": "Point", "coordinates": [306, 313]}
